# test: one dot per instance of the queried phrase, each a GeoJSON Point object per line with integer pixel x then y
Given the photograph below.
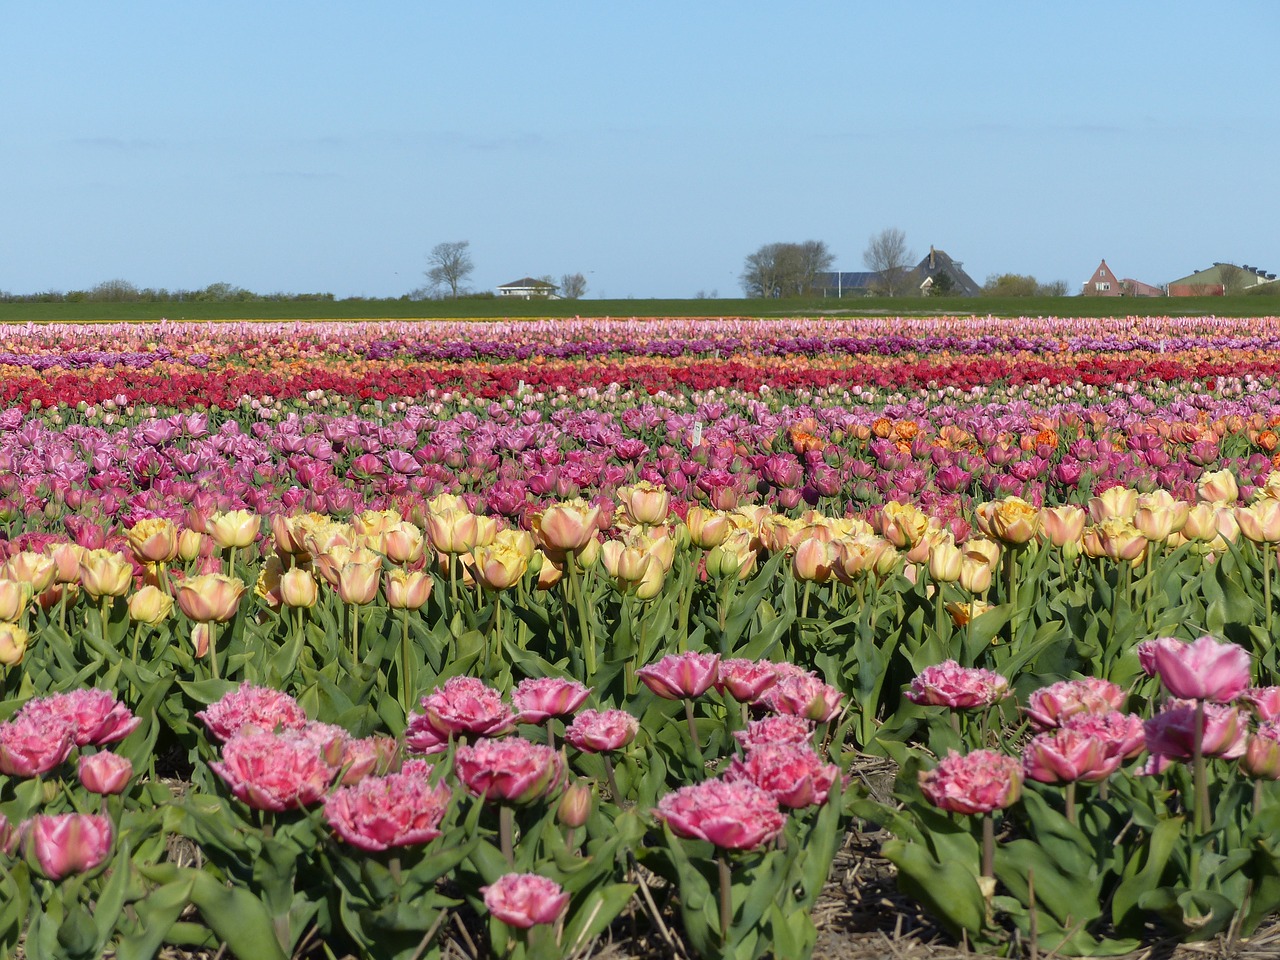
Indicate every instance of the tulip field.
{"type": "Point", "coordinates": [532, 639]}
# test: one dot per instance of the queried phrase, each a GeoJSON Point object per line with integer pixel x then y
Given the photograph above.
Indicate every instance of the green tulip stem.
{"type": "Point", "coordinates": [453, 585]}
{"type": "Point", "coordinates": [1200, 773]}
{"type": "Point", "coordinates": [1257, 797]}
{"type": "Point", "coordinates": [988, 845]}
{"type": "Point", "coordinates": [506, 827]}
{"type": "Point", "coordinates": [804, 600]}
{"type": "Point", "coordinates": [353, 614]}
{"type": "Point", "coordinates": [104, 606]}
{"type": "Point", "coordinates": [726, 897]}
{"type": "Point", "coordinates": [610, 779]}
{"type": "Point", "coordinates": [1071, 802]}
{"type": "Point", "coordinates": [551, 732]}
{"type": "Point", "coordinates": [1266, 584]}
{"type": "Point", "coordinates": [405, 692]}
{"type": "Point", "coordinates": [579, 601]}
{"type": "Point", "coordinates": [1011, 589]}
{"type": "Point", "coordinates": [213, 649]}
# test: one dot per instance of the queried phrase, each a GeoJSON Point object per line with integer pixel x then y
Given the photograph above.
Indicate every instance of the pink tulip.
{"type": "Point", "coordinates": [794, 774]}
{"type": "Point", "coordinates": [508, 771]}
{"type": "Point", "coordinates": [465, 705]}
{"type": "Point", "coordinates": [803, 695]}
{"type": "Point", "coordinates": [1261, 758]}
{"type": "Point", "coordinates": [1051, 706]}
{"type": "Point", "coordinates": [779, 729]}
{"type": "Point", "coordinates": [258, 708]}
{"type": "Point", "coordinates": [1171, 732]}
{"type": "Point", "coordinates": [525, 899]}
{"type": "Point", "coordinates": [31, 745]}
{"type": "Point", "coordinates": [950, 685]}
{"type": "Point", "coordinates": [1203, 669]}
{"type": "Point", "coordinates": [1123, 733]}
{"type": "Point", "coordinates": [68, 843]}
{"type": "Point", "coordinates": [1265, 702]}
{"type": "Point", "coordinates": [397, 810]}
{"type": "Point", "coordinates": [274, 771]}
{"type": "Point", "coordinates": [680, 676]}
{"type": "Point", "coordinates": [105, 773]}
{"type": "Point", "coordinates": [746, 680]}
{"type": "Point", "coordinates": [9, 836]}
{"type": "Point", "coordinates": [538, 699]}
{"type": "Point", "coordinates": [598, 731]}
{"type": "Point", "coordinates": [1065, 755]}
{"type": "Point", "coordinates": [94, 716]}
{"type": "Point", "coordinates": [976, 782]}
{"type": "Point", "coordinates": [1146, 652]}
{"type": "Point", "coordinates": [421, 737]}
{"type": "Point", "coordinates": [377, 755]}
{"type": "Point", "coordinates": [733, 816]}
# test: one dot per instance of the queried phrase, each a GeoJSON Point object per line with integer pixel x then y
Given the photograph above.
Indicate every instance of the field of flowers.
{"type": "Point", "coordinates": [360, 637]}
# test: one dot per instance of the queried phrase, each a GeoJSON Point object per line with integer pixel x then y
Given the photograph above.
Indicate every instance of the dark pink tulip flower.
{"type": "Point", "coordinates": [803, 695]}
{"type": "Point", "coordinates": [105, 773]}
{"type": "Point", "coordinates": [746, 680]}
{"type": "Point", "coordinates": [537, 699]}
{"type": "Point", "coordinates": [793, 773]}
{"type": "Point", "coordinates": [1069, 754]}
{"type": "Point", "coordinates": [258, 708]}
{"type": "Point", "coordinates": [976, 782]}
{"type": "Point", "coordinates": [778, 729]}
{"type": "Point", "coordinates": [525, 900]}
{"type": "Point", "coordinates": [400, 809]}
{"type": "Point", "coordinates": [1265, 702]}
{"type": "Point", "coordinates": [950, 685]}
{"type": "Point", "coordinates": [93, 716]}
{"type": "Point", "coordinates": [465, 705]}
{"type": "Point", "coordinates": [32, 745]}
{"type": "Point", "coordinates": [274, 771]}
{"type": "Point", "coordinates": [732, 815]}
{"type": "Point", "coordinates": [1123, 733]}
{"type": "Point", "coordinates": [68, 843]}
{"type": "Point", "coordinates": [1051, 706]}
{"type": "Point", "coordinates": [598, 731]}
{"type": "Point", "coordinates": [1203, 669]}
{"type": "Point", "coordinates": [508, 771]}
{"type": "Point", "coordinates": [679, 676]}
{"type": "Point", "coordinates": [1171, 733]}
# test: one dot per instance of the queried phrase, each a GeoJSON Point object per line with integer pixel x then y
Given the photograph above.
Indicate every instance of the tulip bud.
{"type": "Point", "coordinates": [575, 804]}
{"type": "Point", "coordinates": [946, 561]}
{"type": "Point", "coordinates": [105, 773]}
{"type": "Point", "coordinates": [407, 590]}
{"type": "Point", "coordinates": [234, 529]}
{"type": "Point", "coordinates": [13, 644]}
{"type": "Point", "coordinates": [298, 588]}
{"type": "Point", "coordinates": [191, 545]}
{"type": "Point", "coordinates": [150, 605]}
{"type": "Point", "coordinates": [14, 598]}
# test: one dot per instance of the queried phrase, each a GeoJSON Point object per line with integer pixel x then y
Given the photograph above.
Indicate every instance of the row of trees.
{"type": "Point", "coordinates": [122, 291]}
{"type": "Point", "coordinates": [797, 269]}
{"type": "Point", "coordinates": [449, 265]}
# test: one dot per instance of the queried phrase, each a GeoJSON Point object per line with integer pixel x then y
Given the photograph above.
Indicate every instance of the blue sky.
{"type": "Point", "coordinates": [325, 146]}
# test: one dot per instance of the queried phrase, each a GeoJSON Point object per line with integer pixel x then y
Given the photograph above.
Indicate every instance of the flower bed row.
{"type": "Point", "coordinates": [525, 665]}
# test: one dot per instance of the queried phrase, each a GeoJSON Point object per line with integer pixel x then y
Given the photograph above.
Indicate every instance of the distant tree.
{"type": "Point", "coordinates": [785, 269]}
{"type": "Point", "coordinates": [1234, 279]}
{"type": "Point", "coordinates": [942, 285]}
{"type": "Point", "coordinates": [1010, 285]}
{"type": "Point", "coordinates": [573, 286]}
{"type": "Point", "coordinates": [114, 291]}
{"type": "Point", "coordinates": [887, 256]}
{"type": "Point", "coordinates": [450, 264]}
{"type": "Point", "coordinates": [1022, 285]}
